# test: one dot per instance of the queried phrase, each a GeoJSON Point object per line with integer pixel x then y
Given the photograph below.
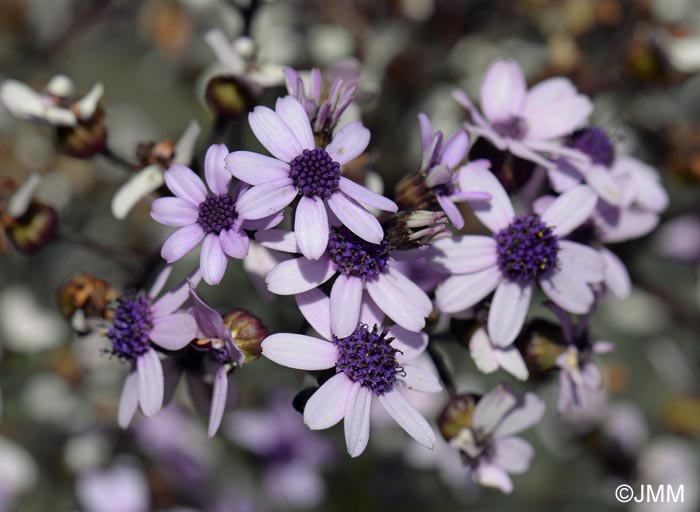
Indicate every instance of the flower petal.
{"type": "Point", "coordinates": [144, 182]}
{"type": "Point", "coordinates": [235, 243]}
{"type": "Point", "coordinates": [173, 331]}
{"type": "Point", "coordinates": [617, 279]}
{"type": "Point", "coordinates": [212, 260]}
{"type": "Point", "coordinates": [150, 374]}
{"type": "Point", "coordinates": [513, 454]}
{"type": "Point", "coordinates": [273, 133]}
{"type": "Point", "coordinates": [492, 475]}
{"type": "Point", "coordinates": [218, 401]}
{"type": "Point", "coordinates": [420, 379]}
{"type": "Point", "coordinates": [294, 116]}
{"type": "Point", "coordinates": [508, 311]}
{"type": "Point", "coordinates": [314, 305]}
{"type": "Point", "coordinates": [184, 183]}
{"type": "Point", "coordinates": [311, 227]}
{"type": "Point", "coordinates": [511, 361]}
{"type": "Point", "coordinates": [173, 299]}
{"type": "Point", "coordinates": [367, 197]}
{"type": "Point", "coordinates": [349, 143]}
{"type": "Point", "coordinates": [408, 418]}
{"type": "Point", "coordinates": [328, 404]}
{"type": "Point", "coordinates": [218, 178]}
{"type": "Point", "coordinates": [346, 298]}
{"type": "Point", "coordinates": [570, 210]}
{"type": "Point", "coordinates": [254, 168]}
{"type": "Point", "coordinates": [400, 298]}
{"type": "Point", "coordinates": [278, 239]}
{"type": "Point", "coordinates": [569, 290]}
{"type": "Point", "coordinates": [299, 351]}
{"type": "Point", "coordinates": [502, 92]}
{"type": "Point", "coordinates": [492, 407]}
{"type": "Point", "coordinates": [266, 199]}
{"type": "Point", "coordinates": [358, 407]}
{"type": "Point", "coordinates": [463, 254]}
{"type": "Point", "coordinates": [173, 211]}
{"type": "Point", "coordinates": [554, 108]}
{"type": "Point", "coordinates": [460, 292]}
{"type": "Point", "coordinates": [410, 343]}
{"type": "Point", "coordinates": [482, 352]}
{"type": "Point", "coordinates": [356, 218]}
{"type": "Point", "coordinates": [184, 147]}
{"type": "Point", "coordinates": [299, 275]}
{"type": "Point", "coordinates": [581, 259]}
{"type": "Point", "coordinates": [209, 321]}
{"type": "Point", "coordinates": [181, 242]}
{"type": "Point", "coordinates": [497, 213]}
{"type": "Point", "coordinates": [521, 417]}
{"type": "Point", "coordinates": [602, 181]}
{"type": "Point", "coordinates": [451, 210]}
{"type": "Point", "coordinates": [455, 149]}
{"type": "Point", "coordinates": [129, 401]}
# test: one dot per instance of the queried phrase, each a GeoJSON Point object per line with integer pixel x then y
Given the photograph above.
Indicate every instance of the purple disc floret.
{"type": "Point", "coordinates": [314, 173]}
{"type": "Point", "coordinates": [131, 327]}
{"type": "Point", "coordinates": [527, 249]}
{"type": "Point", "coordinates": [217, 213]}
{"type": "Point", "coordinates": [354, 256]}
{"type": "Point", "coordinates": [595, 143]}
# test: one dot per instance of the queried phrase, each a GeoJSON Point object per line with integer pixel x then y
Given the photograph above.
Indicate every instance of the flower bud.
{"type": "Point", "coordinates": [87, 138]}
{"type": "Point", "coordinates": [229, 97]}
{"type": "Point", "coordinates": [156, 153]}
{"type": "Point", "coordinates": [35, 229]}
{"type": "Point", "coordinates": [88, 294]}
{"type": "Point", "coordinates": [412, 193]}
{"type": "Point", "coordinates": [541, 343]}
{"type": "Point", "coordinates": [456, 415]}
{"type": "Point", "coordinates": [410, 230]}
{"type": "Point", "coordinates": [247, 332]}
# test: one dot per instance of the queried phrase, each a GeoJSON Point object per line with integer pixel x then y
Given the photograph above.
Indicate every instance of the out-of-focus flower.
{"type": "Point", "coordinates": [372, 362]}
{"type": "Point", "coordinates": [486, 441]}
{"type": "Point", "coordinates": [363, 269]}
{"type": "Point", "coordinates": [302, 168]}
{"type": "Point", "coordinates": [150, 178]}
{"type": "Point", "coordinates": [441, 180]}
{"type": "Point", "coordinates": [215, 217]}
{"type": "Point", "coordinates": [120, 488]}
{"type": "Point", "coordinates": [18, 473]}
{"type": "Point", "coordinates": [679, 239]}
{"type": "Point", "coordinates": [84, 298]}
{"type": "Point", "coordinates": [523, 249]}
{"type": "Point", "coordinates": [293, 455]}
{"type": "Point", "coordinates": [526, 123]}
{"type": "Point", "coordinates": [489, 357]}
{"type": "Point", "coordinates": [139, 320]}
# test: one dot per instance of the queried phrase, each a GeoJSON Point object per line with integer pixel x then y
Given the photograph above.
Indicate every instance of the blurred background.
{"type": "Point", "coordinates": [60, 447]}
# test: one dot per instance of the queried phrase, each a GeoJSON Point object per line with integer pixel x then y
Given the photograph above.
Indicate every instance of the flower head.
{"type": "Point", "coordinates": [523, 250]}
{"type": "Point", "coordinates": [373, 361]}
{"type": "Point", "coordinates": [212, 216]}
{"type": "Point", "coordinates": [301, 169]}
{"type": "Point", "coordinates": [525, 122]}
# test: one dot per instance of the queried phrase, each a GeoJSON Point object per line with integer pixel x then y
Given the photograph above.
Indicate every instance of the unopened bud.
{"type": "Point", "coordinates": [412, 193]}
{"type": "Point", "coordinates": [541, 343]}
{"type": "Point", "coordinates": [159, 153]}
{"type": "Point", "coordinates": [410, 230]}
{"type": "Point", "coordinates": [35, 229]}
{"type": "Point", "coordinates": [86, 139]}
{"type": "Point", "coordinates": [457, 415]}
{"type": "Point", "coordinates": [247, 332]}
{"type": "Point", "coordinates": [88, 294]}
{"type": "Point", "coordinates": [229, 97]}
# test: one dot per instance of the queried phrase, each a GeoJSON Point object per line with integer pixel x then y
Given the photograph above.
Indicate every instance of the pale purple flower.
{"type": "Point", "coordinates": [679, 238]}
{"type": "Point", "coordinates": [140, 320]}
{"type": "Point", "coordinates": [524, 249]}
{"type": "Point", "coordinates": [219, 356]}
{"type": "Point", "coordinates": [323, 115]}
{"type": "Point", "coordinates": [444, 173]}
{"type": "Point", "coordinates": [489, 357]}
{"type": "Point", "coordinates": [301, 169]}
{"type": "Point", "coordinates": [293, 455]}
{"type": "Point", "coordinates": [19, 473]}
{"type": "Point", "coordinates": [362, 268]}
{"type": "Point", "coordinates": [212, 217]}
{"type": "Point", "coordinates": [489, 447]}
{"type": "Point", "coordinates": [361, 375]}
{"type": "Point", "coordinates": [527, 123]}
{"type": "Point", "coordinates": [120, 488]}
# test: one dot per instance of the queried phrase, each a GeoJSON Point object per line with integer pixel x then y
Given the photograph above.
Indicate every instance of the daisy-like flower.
{"type": "Point", "coordinates": [360, 266]}
{"type": "Point", "coordinates": [56, 105]}
{"type": "Point", "coordinates": [301, 169]}
{"type": "Point", "coordinates": [372, 362]}
{"type": "Point", "coordinates": [524, 249]}
{"type": "Point", "coordinates": [488, 445]}
{"type": "Point", "coordinates": [527, 123]}
{"type": "Point", "coordinates": [214, 217]}
{"type": "Point", "coordinates": [489, 357]}
{"type": "Point", "coordinates": [140, 320]}
{"type": "Point", "coordinates": [150, 178]}
{"type": "Point", "coordinates": [441, 180]}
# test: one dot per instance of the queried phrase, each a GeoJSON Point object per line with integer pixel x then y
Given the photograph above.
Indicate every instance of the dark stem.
{"type": "Point", "coordinates": [442, 369]}
{"type": "Point", "coordinates": [118, 160]}
{"type": "Point", "coordinates": [97, 247]}
{"type": "Point", "coordinates": [248, 15]}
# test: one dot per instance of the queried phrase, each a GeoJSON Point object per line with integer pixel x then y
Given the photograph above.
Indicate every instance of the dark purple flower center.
{"type": "Point", "coordinates": [315, 174]}
{"type": "Point", "coordinates": [595, 143]}
{"type": "Point", "coordinates": [513, 128]}
{"type": "Point", "coordinates": [367, 357]}
{"type": "Point", "coordinates": [527, 249]}
{"type": "Point", "coordinates": [354, 256]}
{"type": "Point", "coordinates": [217, 213]}
{"type": "Point", "coordinates": [131, 326]}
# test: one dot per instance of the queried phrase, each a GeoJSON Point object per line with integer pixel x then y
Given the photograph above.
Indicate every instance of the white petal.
{"type": "Point", "coordinates": [502, 91]}
{"type": "Point", "coordinates": [346, 298]}
{"type": "Point", "coordinates": [497, 213]}
{"type": "Point", "coordinates": [145, 182]}
{"type": "Point", "coordinates": [583, 260]}
{"type": "Point", "coordinates": [463, 254]}
{"type": "Point", "coordinates": [294, 115]}
{"type": "Point", "coordinates": [299, 351]}
{"type": "Point", "coordinates": [492, 407]}
{"type": "Point", "coordinates": [508, 311]}
{"type": "Point", "coordinates": [460, 292]}
{"type": "Point", "coordinates": [299, 275]}
{"type": "Point", "coordinates": [420, 379]}
{"type": "Point", "coordinates": [570, 210]}
{"type": "Point", "coordinates": [274, 134]}
{"type": "Point", "coordinates": [348, 143]}
{"type": "Point", "coordinates": [482, 352]}
{"type": "Point", "coordinates": [400, 298]}
{"type": "Point", "coordinates": [521, 417]}
{"type": "Point", "coordinates": [513, 454]}
{"type": "Point", "coordinates": [328, 404]}
{"type": "Point", "coordinates": [129, 401]}
{"type": "Point", "coordinates": [150, 373]}
{"type": "Point", "coordinates": [356, 423]}
{"type": "Point", "coordinates": [314, 305]}
{"type": "Point", "coordinates": [408, 418]}
{"type": "Point", "coordinates": [311, 227]}
{"type": "Point", "coordinates": [569, 290]}
{"type": "Point", "coordinates": [617, 279]}
{"type": "Point", "coordinates": [511, 361]}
